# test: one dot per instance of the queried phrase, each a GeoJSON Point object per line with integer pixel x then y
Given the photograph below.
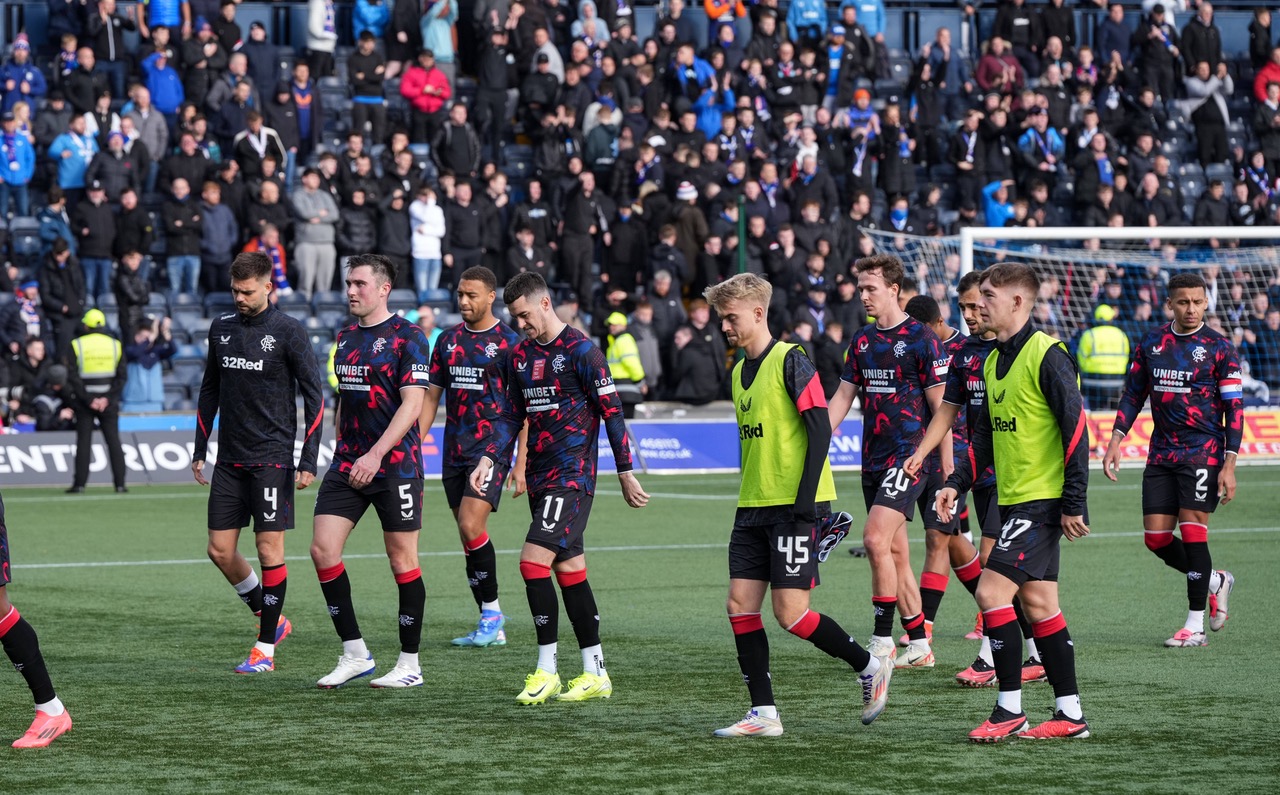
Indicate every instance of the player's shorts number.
{"type": "Point", "coordinates": [1011, 530]}
{"type": "Point", "coordinates": [895, 482]}
{"type": "Point", "coordinates": [794, 548]}
{"type": "Point", "coordinates": [488, 478]}
{"type": "Point", "coordinates": [551, 518]}
{"type": "Point", "coordinates": [406, 500]}
{"type": "Point", "coordinates": [269, 496]}
{"type": "Point", "coordinates": [1202, 483]}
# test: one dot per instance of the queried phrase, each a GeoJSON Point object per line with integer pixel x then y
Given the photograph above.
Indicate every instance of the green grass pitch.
{"type": "Point", "coordinates": [141, 633]}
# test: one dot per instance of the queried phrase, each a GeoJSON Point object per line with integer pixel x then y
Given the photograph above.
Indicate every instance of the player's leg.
{"type": "Point", "coordinates": [882, 525]}
{"type": "Point", "coordinates": [482, 571]}
{"type": "Point", "coordinates": [1198, 497]}
{"type": "Point", "coordinates": [982, 672]}
{"type": "Point", "coordinates": [995, 596]}
{"type": "Point", "coordinates": [1040, 601]}
{"type": "Point", "coordinates": [402, 553]}
{"type": "Point", "coordinates": [22, 647]}
{"type": "Point", "coordinates": [224, 552]}
{"type": "Point", "coordinates": [544, 606]}
{"type": "Point", "coordinates": [748, 579]}
{"type": "Point", "coordinates": [272, 627]}
{"type": "Point", "coordinates": [329, 536]}
{"type": "Point", "coordinates": [580, 602]}
{"type": "Point", "coordinates": [230, 492]}
{"type": "Point", "coordinates": [918, 654]}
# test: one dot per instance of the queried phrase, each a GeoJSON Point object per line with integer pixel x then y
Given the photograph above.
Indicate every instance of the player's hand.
{"type": "Point", "coordinates": [516, 482]}
{"type": "Point", "coordinates": [303, 479]}
{"type": "Point", "coordinates": [1073, 527]}
{"type": "Point", "coordinates": [1111, 461]}
{"type": "Point", "coordinates": [480, 475]}
{"type": "Point", "coordinates": [631, 491]}
{"type": "Point", "coordinates": [364, 470]}
{"type": "Point", "coordinates": [197, 470]}
{"type": "Point", "coordinates": [913, 464]}
{"type": "Point", "coordinates": [944, 502]}
{"type": "Point", "coordinates": [1227, 484]}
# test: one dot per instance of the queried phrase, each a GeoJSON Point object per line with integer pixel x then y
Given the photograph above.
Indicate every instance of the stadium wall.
{"type": "Point", "coordinates": [663, 447]}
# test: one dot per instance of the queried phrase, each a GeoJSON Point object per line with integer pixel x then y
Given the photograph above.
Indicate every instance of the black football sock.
{"type": "Point", "coordinates": [1058, 655]}
{"type": "Point", "coordinates": [483, 560]}
{"type": "Point", "coordinates": [1001, 626]}
{"type": "Point", "coordinates": [23, 649]}
{"type": "Point", "coordinates": [883, 608]}
{"type": "Point", "coordinates": [914, 625]}
{"type": "Point", "coordinates": [336, 587]}
{"type": "Point", "coordinates": [250, 592]}
{"type": "Point", "coordinates": [413, 604]}
{"type": "Point", "coordinates": [1024, 623]}
{"type": "Point", "coordinates": [823, 632]}
{"type": "Point", "coordinates": [472, 582]}
{"type": "Point", "coordinates": [968, 574]}
{"type": "Point", "coordinates": [543, 604]}
{"type": "Point", "coordinates": [274, 580]}
{"type": "Point", "coordinates": [932, 588]}
{"type": "Point", "coordinates": [580, 606]}
{"type": "Point", "coordinates": [1195, 541]}
{"type": "Point", "coordinates": [1168, 548]}
{"type": "Point", "coordinates": [753, 657]}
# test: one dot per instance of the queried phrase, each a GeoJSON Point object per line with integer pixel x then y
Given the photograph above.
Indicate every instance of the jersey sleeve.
{"type": "Point", "coordinates": [1137, 385]}
{"type": "Point", "coordinates": [511, 416]}
{"type": "Point", "coordinates": [851, 373]}
{"type": "Point", "coordinates": [955, 392]}
{"type": "Point", "coordinates": [933, 363]}
{"type": "Point", "coordinates": [438, 370]}
{"type": "Point", "coordinates": [306, 371]}
{"type": "Point", "coordinates": [805, 389]}
{"type": "Point", "coordinates": [414, 357]}
{"type": "Point", "coordinates": [593, 373]}
{"type": "Point", "coordinates": [207, 408]}
{"type": "Point", "coordinates": [1230, 390]}
{"type": "Point", "coordinates": [1059, 382]}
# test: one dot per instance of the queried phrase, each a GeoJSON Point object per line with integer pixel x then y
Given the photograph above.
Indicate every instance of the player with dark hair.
{"type": "Point", "coordinates": [259, 359]}
{"type": "Point", "coordinates": [1192, 374]}
{"type": "Point", "coordinates": [1032, 428]}
{"type": "Point", "coordinates": [382, 369]}
{"type": "Point", "coordinates": [898, 367]}
{"type": "Point", "coordinates": [466, 369]}
{"type": "Point", "coordinates": [22, 647]}
{"type": "Point", "coordinates": [558, 380]}
{"type": "Point", "coordinates": [786, 485]}
{"type": "Point", "coordinates": [963, 396]}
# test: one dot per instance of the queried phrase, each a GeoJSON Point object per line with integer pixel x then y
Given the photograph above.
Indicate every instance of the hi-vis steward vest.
{"type": "Point", "coordinates": [773, 438]}
{"type": "Point", "coordinates": [1104, 350]}
{"type": "Point", "coordinates": [1026, 442]}
{"type": "Point", "coordinates": [97, 357]}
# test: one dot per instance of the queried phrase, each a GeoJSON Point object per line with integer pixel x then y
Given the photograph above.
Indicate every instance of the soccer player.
{"type": "Point", "coordinates": [786, 483]}
{"type": "Point", "coordinates": [1192, 374]}
{"type": "Point", "coordinates": [897, 366]}
{"type": "Point", "coordinates": [23, 649]}
{"type": "Point", "coordinates": [558, 380]}
{"type": "Point", "coordinates": [1032, 428]}
{"type": "Point", "coordinates": [382, 371]}
{"type": "Point", "coordinates": [966, 387]}
{"type": "Point", "coordinates": [467, 362]}
{"type": "Point", "coordinates": [259, 359]}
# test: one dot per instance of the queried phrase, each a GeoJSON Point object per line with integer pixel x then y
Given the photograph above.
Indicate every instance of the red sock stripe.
{"type": "Point", "coordinates": [1194, 533]}
{"type": "Point", "coordinates": [805, 625]}
{"type": "Point", "coordinates": [743, 623]}
{"type": "Point", "coordinates": [408, 576]}
{"type": "Point", "coordinates": [883, 599]}
{"type": "Point", "coordinates": [476, 543]}
{"type": "Point", "coordinates": [8, 621]}
{"type": "Point", "coordinates": [534, 571]}
{"type": "Point", "coordinates": [1157, 539]}
{"type": "Point", "coordinates": [932, 581]}
{"type": "Point", "coordinates": [1050, 626]}
{"type": "Point", "coordinates": [999, 617]}
{"type": "Point", "coordinates": [274, 576]}
{"type": "Point", "coordinates": [970, 571]}
{"type": "Point", "coordinates": [331, 573]}
{"type": "Point", "coordinates": [567, 578]}
{"type": "Point", "coordinates": [911, 622]}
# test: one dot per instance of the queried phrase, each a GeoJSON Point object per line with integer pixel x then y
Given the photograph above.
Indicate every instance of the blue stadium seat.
{"type": "Point", "coordinates": [218, 304]}
{"type": "Point", "coordinates": [188, 353]}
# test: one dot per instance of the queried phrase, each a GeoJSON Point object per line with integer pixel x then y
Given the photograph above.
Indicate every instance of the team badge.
{"type": "Point", "coordinates": [557, 364]}
{"type": "Point", "coordinates": [539, 369]}
{"type": "Point", "coordinates": [379, 345]}
{"type": "Point", "coordinates": [268, 343]}
{"type": "Point", "coordinates": [491, 350]}
{"type": "Point", "coordinates": [1199, 354]}
{"type": "Point", "coordinates": [900, 349]}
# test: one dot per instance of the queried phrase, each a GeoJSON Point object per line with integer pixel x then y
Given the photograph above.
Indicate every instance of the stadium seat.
{"type": "Point", "coordinates": [188, 353]}
{"type": "Point", "coordinates": [299, 312]}
{"type": "Point", "coordinates": [189, 372]}
{"type": "Point", "coordinates": [329, 300]}
{"type": "Point", "coordinates": [291, 299]}
{"type": "Point", "coordinates": [1192, 187]}
{"type": "Point", "coordinates": [1190, 170]}
{"type": "Point", "coordinates": [402, 300]}
{"type": "Point", "coordinates": [198, 327]}
{"type": "Point", "coordinates": [24, 240]}
{"type": "Point", "coordinates": [1220, 171]}
{"type": "Point", "coordinates": [333, 319]}
{"type": "Point", "coordinates": [174, 391]}
{"type": "Point", "coordinates": [218, 304]}
{"type": "Point", "coordinates": [107, 301]}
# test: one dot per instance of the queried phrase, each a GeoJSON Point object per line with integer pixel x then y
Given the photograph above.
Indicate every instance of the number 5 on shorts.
{"type": "Point", "coordinates": [406, 501]}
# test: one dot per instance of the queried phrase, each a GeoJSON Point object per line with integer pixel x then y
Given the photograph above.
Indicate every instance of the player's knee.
{"type": "Point", "coordinates": [1157, 541]}
{"type": "Point", "coordinates": [323, 557]}
{"type": "Point", "coordinates": [788, 615]}
{"type": "Point", "coordinates": [219, 555]}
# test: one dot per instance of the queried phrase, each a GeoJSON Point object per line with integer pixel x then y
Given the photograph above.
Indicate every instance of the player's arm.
{"type": "Point", "coordinates": [1231, 392]}
{"type": "Point", "coordinates": [506, 426]}
{"type": "Point", "coordinates": [306, 371]}
{"type": "Point", "coordinates": [934, 395]}
{"type": "Point", "coordinates": [206, 410]}
{"type": "Point", "coordinates": [1137, 385]}
{"type": "Point", "coordinates": [1059, 385]}
{"type": "Point", "coordinates": [944, 417]}
{"type": "Point", "coordinates": [842, 400]}
{"type": "Point", "coordinates": [430, 405]}
{"type": "Point", "coordinates": [515, 480]}
{"type": "Point", "coordinates": [934, 366]}
{"type": "Point", "coordinates": [366, 467]}
{"type": "Point", "coordinates": [805, 389]}
{"type": "Point", "coordinates": [597, 382]}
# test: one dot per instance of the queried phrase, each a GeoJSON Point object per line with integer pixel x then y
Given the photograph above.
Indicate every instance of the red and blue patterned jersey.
{"type": "Point", "coordinates": [1197, 403]}
{"type": "Point", "coordinates": [373, 363]}
{"type": "Point", "coordinates": [892, 368]}
{"type": "Point", "coordinates": [564, 389]}
{"type": "Point", "coordinates": [967, 388]}
{"type": "Point", "coordinates": [468, 366]}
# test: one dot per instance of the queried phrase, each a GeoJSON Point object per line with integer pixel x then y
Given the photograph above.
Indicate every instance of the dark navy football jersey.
{"type": "Point", "coordinates": [563, 389]}
{"type": "Point", "coordinates": [469, 366]}
{"type": "Point", "coordinates": [1197, 402]}
{"type": "Point", "coordinates": [892, 368]}
{"type": "Point", "coordinates": [967, 388]}
{"type": "Point", "coordinates": [255, 369]}
{"type": "Point", "coordinates": [373, 363]}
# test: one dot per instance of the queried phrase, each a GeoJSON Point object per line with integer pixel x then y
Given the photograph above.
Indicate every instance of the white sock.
{"type": "Point", "coordinates": [1215, 581]}
{"type": "Point", "coordinates": [593, 660]}
{"type": "Point", "coordinates": [52, 708]}
{"type": "Point", "coordinates": [1069, 706]}
{"type": "Point", "coordinates": [268, 649]}
{"type": "Point", "coordinates": [355, 648]}
{"type": "Point", "coordinates": [883, 640]}
{"type": "Point", "coordinates": [871, 668]}
{"type": "Point", "coordinates": [769, 711]}
{"type": "Point", "coordinates": [985, 652]}
{"type": "Point", "coordinates": [1032, 651]}
{"type": "Point", "coordinates": [409, 661]}
{"type": "Point", "coordinates": [247, 584]}
{"type": "Point", "coordinates": [1011, 700]}
{"type": "Point", "coordinates": [968, 536]}
{"type": "Point", "coordinates": [1195, 620]}
{"type": "Point", "coordinates": [922, 644]}
{"type": "Point", "coordinates": [547, 657]}
{"type": "Point", "coordinates": [490, 607]}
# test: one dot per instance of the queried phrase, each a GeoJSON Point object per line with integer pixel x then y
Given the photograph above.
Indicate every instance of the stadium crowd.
{"type": "Point", "coordinates": [631, 168]}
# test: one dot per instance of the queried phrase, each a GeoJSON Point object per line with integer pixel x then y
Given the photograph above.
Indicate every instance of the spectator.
{"type": "Point", "coordinates": [73, 151]}
{"type": "Point", "coordinates": [996, 205]}
{"type": "Point", "coordinates": [152, 345]}
{"type": "Point", "coordinates": [1264, 350]}
{"type": "Point", "coordinates": [153, 131]}
{"type": "Point", "coordinates": [694, 370]}
{"type": "Point", "coordinates": [62, 294]}
{"type": "Point", "coordinates": [428, 223]}
{"type": "Point", "coordinates": [368, 69]}
{"type": "Point", "coordinates": [456, 147]}
{"type": "Point", "coordinates": [256, 142]}
{"type": "Point", "coordinates": [55, 223]}
{"type": "Point", "coordinates": [1103, 357]}
{"type": "Point", "coordinates": [20, 166]}
{"type": "Point", "coordinates": [623, 356]}
{"type": "Point", "coordinates": [427, 89]}
{"type": "Point", "coordinates": [437, 32]}
{"type": "Point", "coordinates": [1000, 71]}
{"type": "Point", "coordinates": [317, 217]}
{"type": "Point", "coordinates": [225, 84]}
{"type": "Point", "coordinates": [28, 374]}
{"type": "Point", "coordinates": [322, 36]}
{"type": "Point", "coordinates": [403, 36]}
{"type": "Point", "coordinates": [22, 80]}
{"type": "Point", "coordinates": [263, 57]}
{"type": "Point", "coordinates": [95, 227]}
{"type": "Point", "coordinates": [114, 170]}
{"type": "Point", "coordinates": [1260, 38]}
{"type": "Point", "coordinates": [357, 230]}
{"type": "Point", "coordinates": [23, 318]}
{"type": "Point", "coordinates": [371, 17]}
{"type": "Point", "coordinates": [165, 86]}
{"type": "Point", "coordinates": [1021, 28]}
{"type": "Point", "coordinates": [131, 289]}
{"type": "Point", "coordinates": [269, 243]}
{"type": "Point", "coordinates": [183, 232]}
{"type": "Point", "coordinates": [188, 163]}
{"type": "Point", "coordinates": [1157, 40]}
{"type": "Point", "coordinates": [310, 107]}
{"type": "Point", "coordinates": [219, 238]}
{"type": "Point", "coordinates": [951, 73]}
{"type": "Point", "coordinates": [96, 378]}
{"type": "Point", "coordinates": [642, 330]}
{"type": "Point", "coordinates": [807, 22]}
{"type": "Point", "coordinates": [1202, 41]}
{"type": "Point", "coordinates": [83, 86]}
{"type": "Point", "coordinates": [395, 236]}
{"type": "Point", "coordinates": [1112, 39]}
